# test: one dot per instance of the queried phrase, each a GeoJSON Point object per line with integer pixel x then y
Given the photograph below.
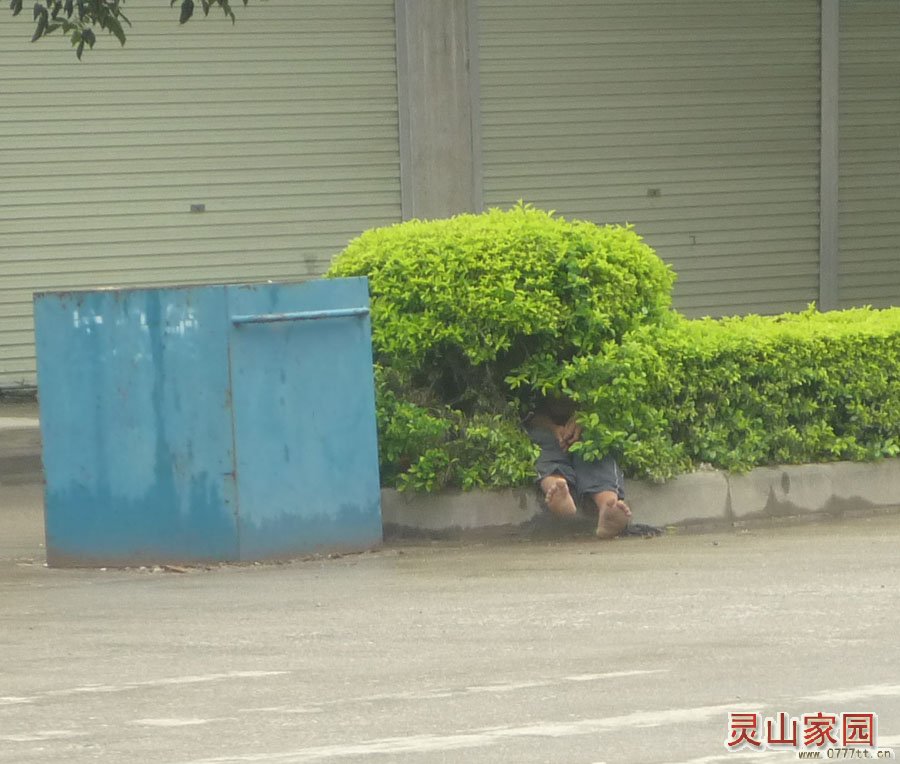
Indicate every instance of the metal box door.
{"type": "Point", "coordinates": [136, 426]}
{"type": "Point", "coordinates": [306, 450]}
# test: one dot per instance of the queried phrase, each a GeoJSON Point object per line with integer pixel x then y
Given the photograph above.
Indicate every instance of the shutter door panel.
{"type": "Point", "coordinates": [283, 125]}
{"type": "Point", "coordinates": [695, 121]}
{"type": "Point", "coordinates": [870, 153]}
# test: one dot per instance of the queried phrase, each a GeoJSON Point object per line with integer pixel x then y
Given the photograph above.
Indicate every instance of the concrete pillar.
{"type": "Point", "coordinates": [437, 80]}
{"type": "Point", "coordinates": [829, 167]}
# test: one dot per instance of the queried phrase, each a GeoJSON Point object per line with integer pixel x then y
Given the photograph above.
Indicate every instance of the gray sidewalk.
{"type": "Point", "coordinates": [20, 443]}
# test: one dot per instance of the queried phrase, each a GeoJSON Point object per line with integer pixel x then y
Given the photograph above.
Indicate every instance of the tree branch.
{"type": "Point", "coordinates": [78, 19]}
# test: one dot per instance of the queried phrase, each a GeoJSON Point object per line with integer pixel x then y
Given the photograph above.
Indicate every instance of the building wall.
{"type": "Point", "coordinates": [306, 123]}
{"type": "Point", "coordinates": [696, 121]}
{"type": "Point", "coordinates": [283, 126]}
{"type": "Point", "coordinates": [869, 191]}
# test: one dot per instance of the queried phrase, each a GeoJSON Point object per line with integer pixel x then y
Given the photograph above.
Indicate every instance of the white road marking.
{"type": "Point", "coordinates": [855, 693]}
{"type": "Point", "coordinates": [165, 682]}
{"type": "Point", "coordinates": [462, 739]}
{"type": "Point", "coordinates": [34, 737]}
{"type": "Point", "coordinates": [479, 738]}
{"type": "Point", "coordinates": [510, 687]}
{"type": "Point", "coordinates": [613, 675]}
{"type": "Point", "coordinates": [177, 680]}
{"type": "Point", "coordinates": [725, 757]}
{"type": "Point", "coordinates": [172, 722]}
{"type": "Point", "coordinates": [763, 756]}
{"type": "Point", "coordinates": [10, 700]}
{"type": "Point", "coordinates": [18, 423]}
{"type": "Point", "coordinates": [446, 692]}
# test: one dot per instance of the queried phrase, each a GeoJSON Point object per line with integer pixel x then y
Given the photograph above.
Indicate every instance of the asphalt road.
{"type": "Point", "coordinates": [519, 651]}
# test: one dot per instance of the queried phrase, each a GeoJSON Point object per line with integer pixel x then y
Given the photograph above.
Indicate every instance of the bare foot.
{"type": "Point", "coordinates": [613, 519]}
{"type": "Point", "coordinates": [559, 499]}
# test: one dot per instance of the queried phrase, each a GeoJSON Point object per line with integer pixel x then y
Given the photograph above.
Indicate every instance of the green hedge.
{"type": "Point", "coordinates": [475, 316]}
{"type": "Point", "coordinates": [741, 392]}
{"type": "Point", "coordinates": [427, 447]}
{"type": "Point", "coordinates": [460, 304]}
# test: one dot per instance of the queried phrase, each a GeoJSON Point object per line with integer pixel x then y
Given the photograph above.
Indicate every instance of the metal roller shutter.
{"type": "Point", "coordinates": [696, 121]}
{"type": "Point", "coordinates": [284, 126]}
{"type": "Point", "coordinates": [869, 135]}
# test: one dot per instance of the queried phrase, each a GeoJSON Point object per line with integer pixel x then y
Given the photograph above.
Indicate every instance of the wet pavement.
{"type": "Point", "coordinates": [528, 650]}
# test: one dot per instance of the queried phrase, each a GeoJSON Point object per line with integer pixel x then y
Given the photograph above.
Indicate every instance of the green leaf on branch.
{"type": "Point", "coordinates": [187, 11]}
{"type": "Point", "coordinates": [116, 28]}
{"type": "Point", "coordinates": [83, 17]}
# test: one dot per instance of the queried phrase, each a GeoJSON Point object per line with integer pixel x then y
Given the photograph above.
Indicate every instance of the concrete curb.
{"type": "Point", "coordinates": [700, 497]}
{"type": "Point", "coordinates": [20, 451]}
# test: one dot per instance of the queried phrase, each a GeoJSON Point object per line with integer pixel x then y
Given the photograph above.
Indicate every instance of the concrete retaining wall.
{"type": "Point", "coordinates": [700, 497]}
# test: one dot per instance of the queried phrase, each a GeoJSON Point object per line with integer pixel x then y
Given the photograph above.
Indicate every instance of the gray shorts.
{"type": "Point", "coordinates": [584, 478]}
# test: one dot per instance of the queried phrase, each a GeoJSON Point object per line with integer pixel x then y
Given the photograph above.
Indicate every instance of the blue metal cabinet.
{"type": "Point", "coordinates": [213, 423]}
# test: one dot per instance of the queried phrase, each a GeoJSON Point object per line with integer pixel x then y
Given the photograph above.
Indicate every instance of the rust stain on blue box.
{"type": "Point", "coordinates": [209, 423]}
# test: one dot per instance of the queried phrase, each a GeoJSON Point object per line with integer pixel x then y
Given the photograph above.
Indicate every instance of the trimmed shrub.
{"type": "Point", "coordinates": [458, 305]}
{"type": "Point", "coordinates": [431, 447]}
{"type": "Point", "coordinates": [475, 315]}
{"type": "Point", "coordinates": [740, 392]}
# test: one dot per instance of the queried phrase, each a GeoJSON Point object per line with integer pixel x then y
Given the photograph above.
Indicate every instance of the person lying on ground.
{"type": "Point", "coordinates": [565, 478]}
